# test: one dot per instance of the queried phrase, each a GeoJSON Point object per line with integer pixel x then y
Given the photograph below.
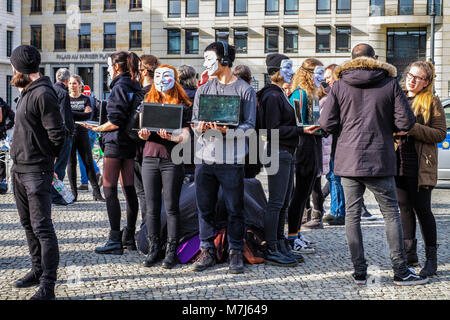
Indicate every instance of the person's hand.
{"type": "Point", "coordinates": [311, 129]}
{"type": "Point", "coordinates": [144, 134]}
{"type": "Point", "coordinates": [88, 109]}
{"type": "Point", "coordinates": [55, 175]}
{"type": "Point", "coordinates": [402, 133]}
{"type": "Point", "coordinates": [200, 127]}
{"type": "Point", "coordinates": [164, 134]}
{"type": "Point", "coordinates": [214, 126]}
{"type": "Point", "coordinates": [89, 127]}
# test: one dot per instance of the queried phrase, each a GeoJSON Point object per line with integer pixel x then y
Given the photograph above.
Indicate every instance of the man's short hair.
{"type": "Point", "coordinates": [218, 48]}
{"type": "Point", "coordinates": [363, 50]}
{"type": "Point", "coordinates": [62, 75]}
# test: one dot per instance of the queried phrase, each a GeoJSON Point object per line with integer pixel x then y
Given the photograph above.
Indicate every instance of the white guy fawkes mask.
{"type": "Point", "coordinates": [286, 70]}
{"type": "Point", "coordinates": [164, 79]}
{"type": "Point", "coordinates": [319, 75]}
{"type": "Point", "coordinates": [211, 62]}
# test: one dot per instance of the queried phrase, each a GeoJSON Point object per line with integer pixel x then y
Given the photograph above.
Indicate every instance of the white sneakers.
{"type": "Point", "coordinates": [300, 246]}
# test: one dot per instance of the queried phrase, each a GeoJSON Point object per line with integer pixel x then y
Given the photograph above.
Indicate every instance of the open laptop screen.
{"type": "Point", "coordinates": [224, 110]}
{"type": "Point", "coordinates": [157, 116]}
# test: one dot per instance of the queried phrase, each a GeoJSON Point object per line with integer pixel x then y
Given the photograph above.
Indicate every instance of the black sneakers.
{"type": "Point", "coordinates": [236, 262]}
{"type": "Point", "coordinates": [206, 259]}
{"type": "Point", "coordinates": [45, 292]}
{"type": "Point", "coordinates": [409, 279]}
{"type": "Point", "coordinates": [29, 280]}
{"type": "Point", "coordinates": [359, 279]}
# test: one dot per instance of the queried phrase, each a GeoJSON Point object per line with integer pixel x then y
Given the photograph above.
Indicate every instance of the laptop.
{"type": "Point", "coordinates": [224, 110]}
{"type": "Point", "coordinates": [156, 116]}
{"type": "Point", "coordinates": [102, 115]}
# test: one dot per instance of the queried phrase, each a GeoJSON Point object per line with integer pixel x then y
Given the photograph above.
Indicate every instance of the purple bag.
{"type": "Point", "coordinates": [188, 249]}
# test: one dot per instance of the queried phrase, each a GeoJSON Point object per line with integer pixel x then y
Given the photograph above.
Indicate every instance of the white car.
{"type": "Point", "coordinates": [444, 147]}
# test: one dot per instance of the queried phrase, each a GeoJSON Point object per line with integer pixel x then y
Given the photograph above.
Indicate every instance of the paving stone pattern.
{"type": "Point", "coordinates": [324, 275]}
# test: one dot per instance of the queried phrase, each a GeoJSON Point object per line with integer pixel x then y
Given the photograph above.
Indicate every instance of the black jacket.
{"type": "Point", "coordinates": [39, 132]}
{"type": "Point", "coordinates": [276, 112]}
{"type": "Point", "coordinates": [118, 109]}
{"type": "Point", "coordinates": [7, 114]}
{"type": "Point", "coordinates": [64, 106]}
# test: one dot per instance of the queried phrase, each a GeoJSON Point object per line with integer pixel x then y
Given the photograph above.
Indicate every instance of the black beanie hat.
{"type": "Point", "coordinates": [26, 59]}
{"type": "Point", "coordinates": [273, 62]}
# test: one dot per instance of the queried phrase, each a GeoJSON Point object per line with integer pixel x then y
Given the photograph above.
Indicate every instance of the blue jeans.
{"type": "Point", "coordinates": [61, 163]}
{"type": "Point", "coordinates": [208, 178]}
{"type": "Point", "coordinates": [337, 205]}
{"type": "Point", "coordinates": [84, 178]}
{"type": "Point", "coordinates": [281, 185]}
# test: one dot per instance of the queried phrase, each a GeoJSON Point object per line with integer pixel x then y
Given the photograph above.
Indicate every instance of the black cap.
{"type": "Point", "coordinates": [273, 62]}
{"type": "Point", "coordinates": [26, 59]}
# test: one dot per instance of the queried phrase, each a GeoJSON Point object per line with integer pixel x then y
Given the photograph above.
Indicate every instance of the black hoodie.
{"type": "Point", "coordinates": [276, 112]}
{"type": "Point", "coordinates": [39, 132]}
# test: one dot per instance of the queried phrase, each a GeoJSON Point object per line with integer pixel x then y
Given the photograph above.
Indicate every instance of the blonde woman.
{"type": "Point", "coordinates": [417, 164]}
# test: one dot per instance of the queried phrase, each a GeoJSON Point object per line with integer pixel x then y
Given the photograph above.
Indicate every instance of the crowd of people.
{"type": "Point", "coordinates": [373, 133]}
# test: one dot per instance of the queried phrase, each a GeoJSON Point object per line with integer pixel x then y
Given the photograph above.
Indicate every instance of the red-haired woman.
{"type": "Point", "coordinates": [160, 175]}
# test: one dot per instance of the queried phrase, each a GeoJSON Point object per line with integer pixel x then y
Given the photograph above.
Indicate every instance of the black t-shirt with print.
{"type": "Point", "coordinates": [78, 106]}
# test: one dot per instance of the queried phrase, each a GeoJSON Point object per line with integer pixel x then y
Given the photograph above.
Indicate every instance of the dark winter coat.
{"type": "Point", "coordinates": [364, 108]}
{"type": "Point", "coordinates": [7, 121]}
{"type": "Point", "coordinates": [39, 132]}
{"type": "Point", "coordinates": [64, 106]}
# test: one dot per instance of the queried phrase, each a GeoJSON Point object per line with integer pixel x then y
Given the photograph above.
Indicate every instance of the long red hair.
{"type": "Point", "coordinates": [176, 95]}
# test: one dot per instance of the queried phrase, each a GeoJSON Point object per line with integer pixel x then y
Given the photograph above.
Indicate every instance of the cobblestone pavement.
{"type": "Point", "coordinates": [324, 275]}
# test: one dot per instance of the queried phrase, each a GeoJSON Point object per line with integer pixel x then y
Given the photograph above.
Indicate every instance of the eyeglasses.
{"type": "Point", "coordinates": [416, 78]}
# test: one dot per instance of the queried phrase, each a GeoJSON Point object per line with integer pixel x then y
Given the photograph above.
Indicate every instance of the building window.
{"type": "Point", "coordinates": [9, 41]}
{"type": "Point", "coordinates": [36, 37]}
{"type": "Point", "coordinates": [36, 6]}
{"type": "Point", "coordinates": [173, 41]}
{"type": "Point", "coordinates": [290, 6]}
{"type": "Point", "coordinates": [272, 7]}
{"type": "Point", "coordinates": [271, 40]}
{"type": "Point", "coordinates": [192, 8]}
{"type": "Point", "coordinates": [174, 8]}
{"type": "Point", "coordinates": [8, 90]}
{"type": "Point", "coordinates": [60, 37]}
{"type": "Point", "coordinates": [240, 40]}
{"type": "Point", "coordinates": [323, 39]}
{"type": "Point", "coordinates": [240, 7]}
{"type": "Point", "coordinates": [376, 8]}
{"type": "Point", "coordinates": [323, 7]}
{"type": "Point", "coordinates": [135, 4]}
{"type": "Point", "coordinates": [222, 35]}
{"type": "Point", "coordinates": [135, 35]}
{"type": "Point", "coordinates": [60, 5]}
{"type": "Point", "coordinates": [405, 7]}
{"type": "Point", "coordinates": [343, 37]}
{"type": "Point", "coordinates": [343, 6]}
{"type": "Point", "coordinates": [110, 5]}
{"type": "Point", "coordinates": [84, 38]}
{"type": "Point", "coordinates": [290, 40]}
{"type": "Point", "coordinates": [109, 36]}
{"type": "Point", "coordinates": [9, 6]}
{"type": "Point", "coordinates": [222, 8]}
{"type": "Point", "coordinates": [85, 5]}
{"type": "Point", "coordinates": [437, 7]}
{"type": "Point", "coordinates": [191, 41]}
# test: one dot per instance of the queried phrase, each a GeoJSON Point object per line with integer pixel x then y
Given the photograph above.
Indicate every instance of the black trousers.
{"type": "Point", "coordinates": [32, 192]}
{"type": "Point", "coordinates": [161, 177]}
{"type": "Point", "coordinates": [316, 196]}
{"type": "Point", "coordinates": [83, 145]}
{"type": "Point", "coordinates": [2, 166]}
{"type": "Point", "coordinates": [412, 203]}
{"type": "Point", "coordinates": [303, 188]}
{"type": "Point", "coordinates": [139, 186]}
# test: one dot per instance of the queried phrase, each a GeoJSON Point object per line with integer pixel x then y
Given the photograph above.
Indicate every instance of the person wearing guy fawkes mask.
{"type": "Point", "coordinates": [160, 176]}
{"type": "Point", "coordinates": [212, 172]}
{"type": "Point", "coordinates": [277, 113]}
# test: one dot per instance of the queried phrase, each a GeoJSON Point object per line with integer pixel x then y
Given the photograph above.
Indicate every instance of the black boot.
{"type": "Point", "coordinates": [430, 267]}
{"type": "Point", "coordinates": [171, 258]}
{"type": "Point", "coordinates": [114, 244]}
{"type": "Point", "coordinates": [29, 280]}
{"type": "Point", "coordinates": [411, 252]}
{"type": "Point", "coordinates": [274, 257]}
{"type": "Point", "coordinates": [153, 251]}
{"type": "Point", "coordinates": [236, 262]}
{"type": "Point", "coordinates": [46, 291]}
{"type": "Point", "coordinates": [128, 240]}
{"type": "Point", "coordinates": [285, 249]}
{"type": "Point", "coordinates": [97, 195]}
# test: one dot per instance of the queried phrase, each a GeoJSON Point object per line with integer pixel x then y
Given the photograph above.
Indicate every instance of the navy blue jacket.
{"type": "Point", "coordinates": [118, 109]}
{"type": "Point", "coordinates": [64, 106]}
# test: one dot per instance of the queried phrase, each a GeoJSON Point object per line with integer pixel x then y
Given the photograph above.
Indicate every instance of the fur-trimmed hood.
{"type": "Point", "coordinates": [364, 70]}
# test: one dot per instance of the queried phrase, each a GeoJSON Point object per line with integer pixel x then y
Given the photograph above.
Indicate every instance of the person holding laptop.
{"type": "Point", "coordinates": [214, 171]}
{"type": "Point", "coordinates": [160, 176]}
